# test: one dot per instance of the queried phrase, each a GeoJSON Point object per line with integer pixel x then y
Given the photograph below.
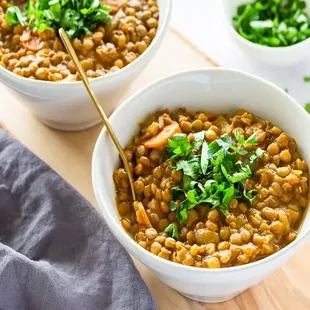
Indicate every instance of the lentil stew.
{"type": "Point", "coordinates": [212, 190]}
{"type": "Point", "coordinates": [110, 47]}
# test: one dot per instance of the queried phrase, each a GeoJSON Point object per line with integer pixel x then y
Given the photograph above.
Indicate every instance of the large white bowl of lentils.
{"type": "Point", "coordinates": [36, 67]}
{"type": "Point", "coordinates": [209, 252]}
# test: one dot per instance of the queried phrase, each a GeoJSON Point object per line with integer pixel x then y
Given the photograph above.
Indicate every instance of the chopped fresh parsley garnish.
{"type": "Point", "coordinates": [179, 146]}
{"type": "Point", "coordinates": [172, 231]}
{"type": "Point", "coordinates": [273, 23]}
{"type": "Point", "coordinates": [190, 166]}
{"type": "Point", "coordinates": [258, 153]}
{"type": "Point", "coordinates": [307, 107]}
{"type": "Point", "coordinates": [213, 173]}
{"type": "Point", "coordinates": [76, 17]}
{"type": "Point", "coordinates": [307, 78]}
{"type": "Point", "coordinates": [198, 140]}
{"type": "Point", "coordinates": [252, 140]}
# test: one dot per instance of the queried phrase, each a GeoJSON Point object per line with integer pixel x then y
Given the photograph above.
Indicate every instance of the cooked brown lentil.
{"type": "Point", "coordinates": [251, 231]}
{"type": "Point", "coordinates": [41, 55]}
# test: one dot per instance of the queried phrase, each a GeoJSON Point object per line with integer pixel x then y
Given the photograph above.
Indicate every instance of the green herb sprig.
{"type": "Point", "coordinates": [77, 17]}
{"type": "Point", "coordinates": [273, 23]}
{"type": "Point", "coordinates": [14, 16]}
{"type": "Point", "coordinates": [172, 231]}
{"type": "Point", "coordinates": [213, 173]}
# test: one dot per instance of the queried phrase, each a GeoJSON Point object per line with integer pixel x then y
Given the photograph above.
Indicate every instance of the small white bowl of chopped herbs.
{"type": "Point", "coordinates": [273, 32]}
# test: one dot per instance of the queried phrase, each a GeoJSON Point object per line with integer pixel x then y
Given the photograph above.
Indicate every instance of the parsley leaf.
{"type": "Point", "coordinates": [196, 185]}
{"type": "Point", "coordinates": [172, 231]}
{"type": "Point", "coordinates": [14, 16]}
{"type": "Point", "coordinates": [192, 196]}
{"type": "Point", "coordinates": [307, 78]}
{"type": "Point", "coordinates": [213, 148]}
{"type": "Point", "coordinates": [249, 195]}
{"type": "Point", "coordinates": [190, 167]}
{"type": "Point", "coordinates": [173, 206]}
{"type": "Point", "coordinates": [179, 146]}
{"type": "Point", "coordinates": [226, 175]}
{"type": "Point", "coordinates": [198, 140]}
{"type": "Point", "coordinates": [224, 210]}
{"type": "Point", "coordinates": [252, 140]}
{"type": "Point", "coordinates": [238, 177]}
{"type": "Point", "coordinates": [176, 192]}
{"type": "Point", "coordinates": [225, 142]}
{"type": "Point", "coordinates": [258, 153]}
{"type": "Point", "coordinates": [239, 137]}
{"type": "Point", "coordinates": [204, 157]}
{"type": "Point", "coordinates": [208, 184]}
{"type": "Point", "coordinates": [186, 181]}
{"type": "Point", "coordinates": [218, 158]}
{"type": "Point", "coordinates": [229, 193]}
{"type": "Point", "coordinates": [229, 160]}
{"type": "Point", "coordinates": [182, 214]}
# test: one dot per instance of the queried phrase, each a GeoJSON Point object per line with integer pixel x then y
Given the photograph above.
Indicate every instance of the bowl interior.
{"type": "Point", "coordinates": [219, 90]}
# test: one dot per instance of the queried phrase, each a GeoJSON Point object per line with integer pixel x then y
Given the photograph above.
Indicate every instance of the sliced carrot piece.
{"type": "Point", "coordinates": [161, 148]}
{"type": "Point", "coordinates": [141, 214]}
{"type": "Point", "coordinates": [161, 138]}
{"type": "Point", "coordinates": [138, 216]}
{"type": "Point", "coordinates": [145, 219]}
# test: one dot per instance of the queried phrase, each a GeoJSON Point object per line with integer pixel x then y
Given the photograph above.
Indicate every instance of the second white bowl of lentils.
{"type": "Point", "coordinates": [114, 41]}
{"type": "Point", "coordinates": [219, 160]}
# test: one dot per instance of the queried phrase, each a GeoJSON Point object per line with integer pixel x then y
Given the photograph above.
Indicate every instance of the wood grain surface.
{"type": "Point", "coordinates": [70, 155]}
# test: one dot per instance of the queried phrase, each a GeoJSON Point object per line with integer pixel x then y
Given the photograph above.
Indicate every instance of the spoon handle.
{"type": "Point", "coordinates": [94, 99]}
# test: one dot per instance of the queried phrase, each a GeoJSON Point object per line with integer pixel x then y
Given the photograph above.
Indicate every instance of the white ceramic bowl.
{"type": "Point", "coordinates": [219, 90]}
{"type": "Point", "coordinates": [65, 105]}
{"type": "Point", "coordinates": [280, 56]}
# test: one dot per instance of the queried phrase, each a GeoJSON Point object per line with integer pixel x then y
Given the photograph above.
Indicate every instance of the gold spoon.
{"type": "Point", "coordinates": [94, 99]}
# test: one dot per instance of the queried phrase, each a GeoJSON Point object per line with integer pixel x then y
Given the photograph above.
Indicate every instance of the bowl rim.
{"type": "Point", "coordinates": [251, 44]}
{"type": "Point", "coordinates": [162, 28]}
{"type": "Point", "coordinates": [119, 232]}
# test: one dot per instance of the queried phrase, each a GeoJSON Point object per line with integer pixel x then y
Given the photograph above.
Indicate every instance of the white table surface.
{"type": "Point", "coordinates": [202, 22]}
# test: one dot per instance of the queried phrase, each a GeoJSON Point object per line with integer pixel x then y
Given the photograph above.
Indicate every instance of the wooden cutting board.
{"type": "Point", "coordinates": [70, 155]}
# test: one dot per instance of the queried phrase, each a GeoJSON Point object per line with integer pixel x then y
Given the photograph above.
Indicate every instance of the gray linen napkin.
{"type": "Point", "coordinates": [55, 250]}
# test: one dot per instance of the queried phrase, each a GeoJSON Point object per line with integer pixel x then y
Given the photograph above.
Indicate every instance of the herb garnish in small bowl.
{"type": "Point", "coordinates": [273, 23]}
{"type": "Point", "coordinates": [275, 32]}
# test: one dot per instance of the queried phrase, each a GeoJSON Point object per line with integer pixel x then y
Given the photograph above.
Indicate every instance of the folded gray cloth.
{"type": "Point", "coordinates": [55, 250]}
